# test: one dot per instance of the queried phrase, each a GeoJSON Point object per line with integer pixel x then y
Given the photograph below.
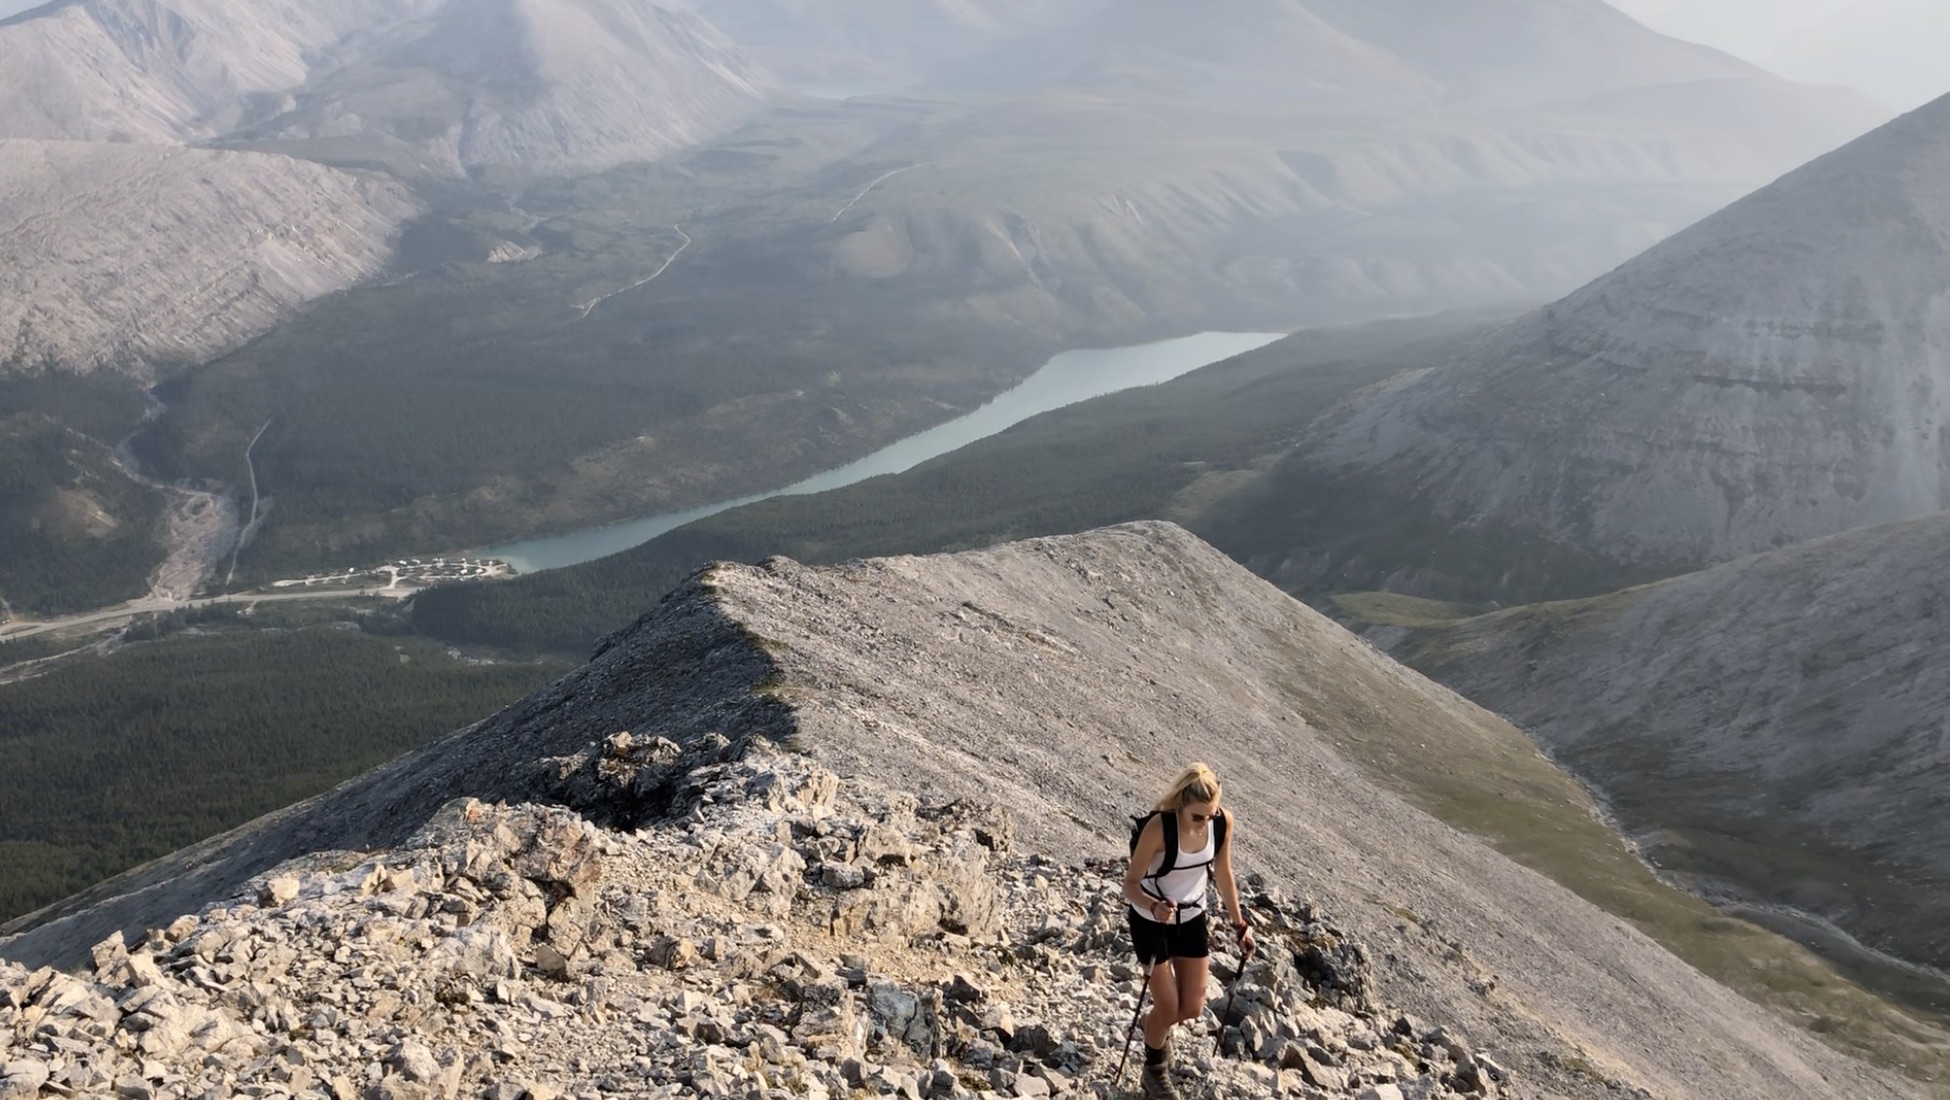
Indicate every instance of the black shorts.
{"type": "Point", "coordinates": [1157, 942]}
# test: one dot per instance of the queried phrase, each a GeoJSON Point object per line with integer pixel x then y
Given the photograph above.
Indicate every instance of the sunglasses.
{"type": "Point", "coordinates": [1200, 819]}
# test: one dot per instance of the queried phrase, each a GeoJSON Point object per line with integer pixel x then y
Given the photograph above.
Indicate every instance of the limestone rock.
{"type": "Point", "coordinates": [208, 248]}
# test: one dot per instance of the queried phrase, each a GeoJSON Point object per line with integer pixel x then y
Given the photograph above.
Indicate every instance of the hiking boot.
{"type": "Point", "coordinates": [1157, 1084]}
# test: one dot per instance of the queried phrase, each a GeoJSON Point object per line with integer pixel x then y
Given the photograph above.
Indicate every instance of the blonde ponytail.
{"type": "Point", "coordinates": [1198, 784]}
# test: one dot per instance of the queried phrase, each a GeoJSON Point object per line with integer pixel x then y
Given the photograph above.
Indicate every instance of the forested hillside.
{"type": "Point", "coordinates": [107, 762]}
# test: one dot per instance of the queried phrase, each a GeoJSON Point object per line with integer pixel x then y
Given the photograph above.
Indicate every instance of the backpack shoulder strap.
{"type": "Point", "coordinates": [1169, 821]}
{"type": "Point", "coordinates": [1221, 825]}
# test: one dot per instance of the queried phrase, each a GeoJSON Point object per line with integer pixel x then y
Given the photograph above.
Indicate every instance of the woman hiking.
{"type": "Point", "coordinates": [1181, 848]}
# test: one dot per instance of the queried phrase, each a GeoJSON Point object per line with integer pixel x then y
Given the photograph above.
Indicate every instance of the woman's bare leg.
{"type": "Point", "coordinates": [1190, 983]}
{"type": "Point", "coordinates": [1164, 1004]}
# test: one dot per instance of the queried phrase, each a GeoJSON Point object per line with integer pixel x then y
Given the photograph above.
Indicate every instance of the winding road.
{"type": "Point", "coordinates": [591, 304]}
{"type": "Point", "coordinates": [153, 605]}
{"type": "Point", "coordinates": [250, 524]}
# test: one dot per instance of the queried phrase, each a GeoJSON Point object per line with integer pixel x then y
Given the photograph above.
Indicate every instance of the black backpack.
{"type": "Point", "coordinates": [1219, 824]}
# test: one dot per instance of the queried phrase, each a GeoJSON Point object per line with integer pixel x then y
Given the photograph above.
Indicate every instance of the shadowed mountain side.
{"type": "Point", "coordinates": [1773, 374]}
{"type": "Point", "coordinates": [1066, 679]}
{"type": "Point", "coordinates": [1156, 452]}
{"type": "Point", "coordinates": [75, 531]}
{"type": "Point", "coordinates": [1775, 723]}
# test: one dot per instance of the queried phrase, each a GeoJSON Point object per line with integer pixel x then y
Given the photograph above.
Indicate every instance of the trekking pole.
{"type": "Point", "coordinates": [1232, 990]}
{"type": "Point", "coordinates": [1117, 1082]}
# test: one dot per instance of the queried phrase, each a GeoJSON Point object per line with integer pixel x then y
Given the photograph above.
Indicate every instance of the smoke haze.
{"type": "Point", "coordinates": [1891, 49]}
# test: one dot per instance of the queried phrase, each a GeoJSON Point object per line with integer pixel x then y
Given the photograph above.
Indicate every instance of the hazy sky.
{"type": "Point", "coordinates": [1892, 49]}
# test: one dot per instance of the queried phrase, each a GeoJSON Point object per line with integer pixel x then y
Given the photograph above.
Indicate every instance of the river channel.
{"type": "Point", "coordinates": [1066, 379]}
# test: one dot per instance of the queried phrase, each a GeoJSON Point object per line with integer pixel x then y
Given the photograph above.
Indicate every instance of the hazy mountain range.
{"type": "Point", "coordinates": [1888, 48]}
{"type": "Point", "coordinates": [852, 47]}
{"type": "Point", "coordinates": [438, 88]}
{"type": "Point", "coordinates": [1365, 55]}
{"type": "Point", "coordinates": [1773, 374]}
{"type": "Point", "coordinates": [545, 85]}
{"type": "Point", "coordinates": [1070, 175]}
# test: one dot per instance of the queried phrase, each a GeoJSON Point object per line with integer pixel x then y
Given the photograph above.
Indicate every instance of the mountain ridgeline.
{"type": "Point", "coordinates": [1059, 681]}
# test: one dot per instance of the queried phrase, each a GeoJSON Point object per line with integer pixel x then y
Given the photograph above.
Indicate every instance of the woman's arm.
{"type": "Point", "coordinates": [1229, 887]}
{"type": "Point", "coordinates": [1151, 844]}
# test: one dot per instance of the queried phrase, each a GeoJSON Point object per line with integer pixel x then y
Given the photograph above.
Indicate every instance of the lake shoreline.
{"type": "Point", "coordinates": [1065, 379]}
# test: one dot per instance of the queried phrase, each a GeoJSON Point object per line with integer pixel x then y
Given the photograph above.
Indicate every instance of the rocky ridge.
{"type": "Point", "coordinates": [1064, 680]}
{"type": "Point", "coordinates": [1773, 374]}
{"type": "Point", "coordinates": [788, 934]}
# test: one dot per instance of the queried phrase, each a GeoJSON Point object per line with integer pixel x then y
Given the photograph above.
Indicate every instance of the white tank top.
{"type": "Point", "coordinates": [1187, 880]}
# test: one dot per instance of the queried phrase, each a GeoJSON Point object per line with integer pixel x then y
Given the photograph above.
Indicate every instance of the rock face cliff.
{"type": "Point", "coordinates": [223, 245]}
{"type": "Point", "coordinates": [992, 716]}
{"type": "Point", "coordinates": [1774, 723]}
{"type": "Point", "coordinates": [1773, 374]}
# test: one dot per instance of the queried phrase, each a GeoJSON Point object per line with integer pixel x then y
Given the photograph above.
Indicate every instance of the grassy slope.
{"type": "Point", "coordinates": [111, 761]}
{"type": "Point", "coordinates": [1157, 452]}
{"type": "Point", "coordinates": [1694, 838]}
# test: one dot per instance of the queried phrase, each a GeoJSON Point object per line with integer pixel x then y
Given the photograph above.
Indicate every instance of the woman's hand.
{"type": "Point", "coordinates": [1162, 910]}
{"type": "Point", "coordinates": [1244, 932]}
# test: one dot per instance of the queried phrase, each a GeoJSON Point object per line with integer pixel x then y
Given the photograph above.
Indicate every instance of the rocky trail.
{"type": "Point", "coordinates": [792, 935]}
